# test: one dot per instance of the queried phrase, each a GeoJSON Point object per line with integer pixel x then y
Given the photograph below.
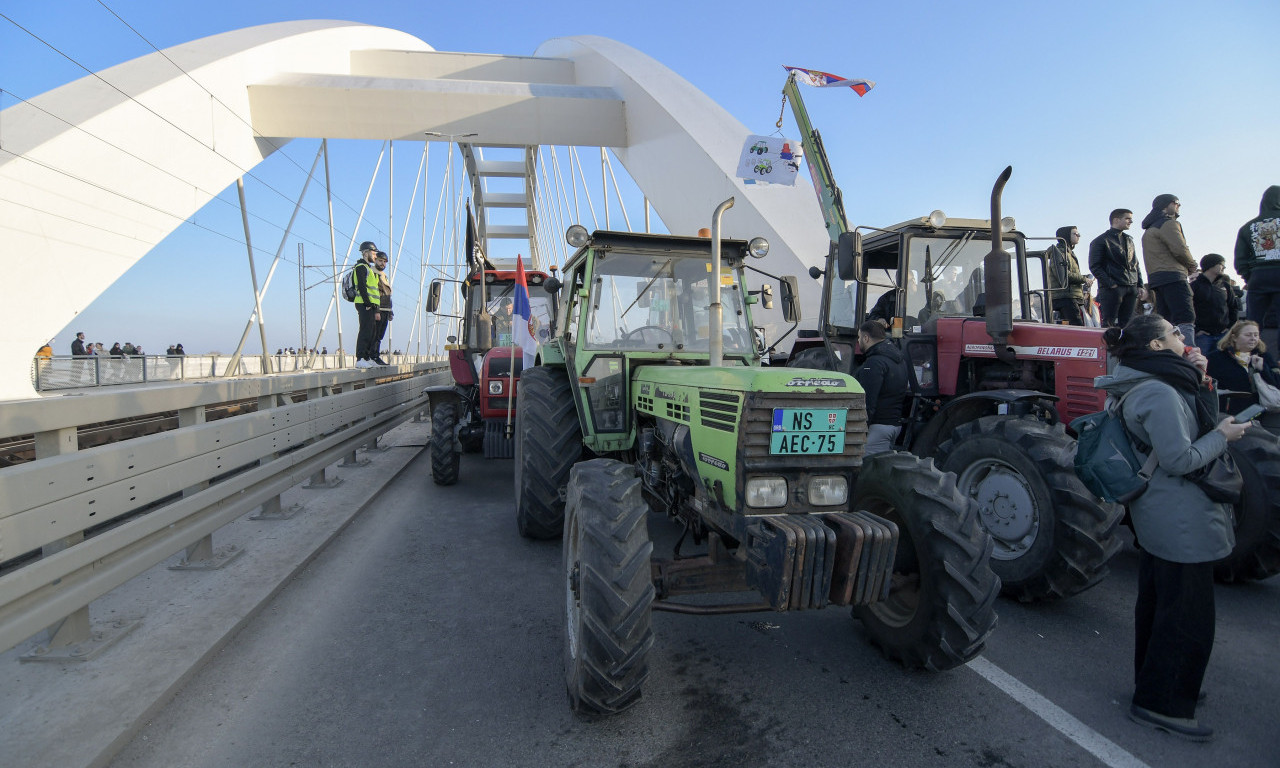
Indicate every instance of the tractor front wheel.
{"type": "Point", "coordinates": [548, 444]}
{"type": "Point", "coordinates": [941, 604]}
{"type": "Point", "coordinates": [608, 588]}
{"type": "Point", "coordinates": [1052, 537]}
{"type": "Point", "coordinates": [1257, 516]}
{"type": "Point", "coordinates": [445, 456]}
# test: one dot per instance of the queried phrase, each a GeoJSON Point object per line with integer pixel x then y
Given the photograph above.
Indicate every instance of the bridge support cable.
{"type": "Point", "coordinates": [259, 295]}
{"type": "Point", "coordinates": [622, 204]}
{"type": "Point", "coordinates": [428, 250]}
{"type": "Point", "coordinates": [257, 300]}
{"type": "Point", "coordinates": [414, 328]}
{"type": "Point", "coordinates": [408, 214]}
{"type": "Point", "coordinates": [355, 231]}
{"type": "Point", "coordinates": [586, 190]}
{"type": "Point", "coordinates": [551, 204]}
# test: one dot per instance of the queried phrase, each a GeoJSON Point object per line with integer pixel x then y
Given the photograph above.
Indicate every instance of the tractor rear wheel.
{"type": "Point", "coordinates": [1052, 537]}
{"type": "Point", "coordinates": [941, 604]}
{"type": "Point", "coordinates": [608, 588]}
{"type": "Point", "coordinates": [548, 444]}
{"type": "Point", "coordinates": [1257, 516]}
{"type": "Point", "coordinates": [445, 455]}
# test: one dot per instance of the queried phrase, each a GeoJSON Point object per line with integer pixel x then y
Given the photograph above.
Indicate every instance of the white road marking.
{"type": "Point", "coordinates": [1093, 742]}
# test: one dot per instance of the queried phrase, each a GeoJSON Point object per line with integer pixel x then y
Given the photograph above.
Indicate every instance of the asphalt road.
{"type": "Point", "coordinates": [428, 635]}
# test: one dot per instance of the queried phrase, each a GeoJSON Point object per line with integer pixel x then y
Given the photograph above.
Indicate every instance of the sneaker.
{"type": "Point", "coordinates": [363, 364]}
{"type": "Point", "coordinates": [1182, 727]}
{"type": "Point", "coordinates": [380, 361]}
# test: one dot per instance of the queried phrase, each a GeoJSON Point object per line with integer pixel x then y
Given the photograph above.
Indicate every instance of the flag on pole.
{"type": "Point", "coordinates": [827, 80]}
{"type": "Point", "coordinates": [473, 252]}
{"type": "Point", "coordinates": [522, 331]}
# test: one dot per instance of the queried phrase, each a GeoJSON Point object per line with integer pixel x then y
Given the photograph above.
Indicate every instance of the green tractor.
{"type": "Point", "coordinates": [651, 397]}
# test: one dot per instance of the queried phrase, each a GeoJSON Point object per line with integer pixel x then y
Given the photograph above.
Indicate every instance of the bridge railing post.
{"type": "Point", "coordinates": [272, 508]}
{"type": "Point", "coordinates": [73, 637]}
{"type": "Point", "coordinates": [201, 556]}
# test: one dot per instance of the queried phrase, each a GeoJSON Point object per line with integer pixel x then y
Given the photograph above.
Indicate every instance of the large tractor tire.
{"type": "Point", "coordinates": [608, 588]}
{"type": "Point", "coordinates": [445, 451]}
{"type": "Point", "coordinates": [1052, 537]}
{"type": "Point", "coordinates": [941, 604]}
{"type": "Point", "coordinates": [548, 444]}
{"type": "Point", "coordinates": [1257, 516]}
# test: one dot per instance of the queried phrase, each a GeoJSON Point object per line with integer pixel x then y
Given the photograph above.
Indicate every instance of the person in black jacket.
{"type": "Point", "coordinates": [1215, 302]}
{"type": "Point", "coordinates": [883, 377]}
{"type": "Point", "coordinates": [1113, 261]}
{"type": "Point", "coordinates": [1240, 354]}
{"type": "Point", "coordinates": [1258, 258]}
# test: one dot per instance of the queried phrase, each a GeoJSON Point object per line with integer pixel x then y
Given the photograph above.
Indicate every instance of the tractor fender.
{"type": "Point", "coordinates": [442, 394]}
{"type": "Point", "coordinates": [970, 407]}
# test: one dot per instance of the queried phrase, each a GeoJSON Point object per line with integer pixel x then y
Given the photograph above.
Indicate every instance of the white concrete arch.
{"type": "Point", "coordinates": [73, 204]}
{"type": "Point", "coordinates": [91, 202]}
{"type": "Point", "coordinates": [682, 150]}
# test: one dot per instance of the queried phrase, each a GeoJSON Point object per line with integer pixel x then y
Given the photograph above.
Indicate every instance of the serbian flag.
{"type": "Point", "coordinates": [522, 331]}
{"type": "Point", "coordinates": [827, 80]}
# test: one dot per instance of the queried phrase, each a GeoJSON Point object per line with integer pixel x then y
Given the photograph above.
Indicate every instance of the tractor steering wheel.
{"type": "Point", "coordinates": [639, 333]}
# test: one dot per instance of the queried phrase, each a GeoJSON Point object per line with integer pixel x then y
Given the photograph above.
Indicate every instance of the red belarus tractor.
{"type": "Point", "coordinates": [477, 412]}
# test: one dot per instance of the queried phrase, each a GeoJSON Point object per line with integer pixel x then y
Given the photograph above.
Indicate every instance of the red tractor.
{"type": "Point", "coordinates": [477, 412]}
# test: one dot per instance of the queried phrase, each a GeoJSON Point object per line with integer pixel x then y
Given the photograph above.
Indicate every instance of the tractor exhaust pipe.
{"type": "Point", "coordinates": [999, 280]}
{"type": "Point", "coordinates": [715, 321]}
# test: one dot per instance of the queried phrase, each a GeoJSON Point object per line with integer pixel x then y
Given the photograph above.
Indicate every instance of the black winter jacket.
{"type": "Point", "coordinates": [1258, 242]}
{"type": "Point", "coordinates": [883, 376]}
{"type": "Point", "coordinates": [1216, 305]}
{"type": "Point", "coordinates": [1113, 259]}
{"type": "Point", "coordinates": [1232, 375]}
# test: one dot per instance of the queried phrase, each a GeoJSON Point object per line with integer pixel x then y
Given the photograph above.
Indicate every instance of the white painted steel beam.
{"type": "Point", "coordinates": [343, 107]}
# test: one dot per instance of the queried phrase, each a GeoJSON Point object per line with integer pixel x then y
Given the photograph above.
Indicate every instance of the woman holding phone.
{"type": "Point", "coordinates": [1179, 530]}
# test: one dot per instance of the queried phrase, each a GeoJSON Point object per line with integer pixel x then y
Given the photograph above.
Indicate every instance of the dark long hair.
{"type": "Point", "coordinates": [1136, 335]}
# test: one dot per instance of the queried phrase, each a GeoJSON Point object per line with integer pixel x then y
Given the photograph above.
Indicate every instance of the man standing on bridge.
{"type": "Point", "coordinates": [1113, 261]}
{"type": "Point", "coordinates": [368, 305]}
{"type": "Point", "coordinates": [384, 305]}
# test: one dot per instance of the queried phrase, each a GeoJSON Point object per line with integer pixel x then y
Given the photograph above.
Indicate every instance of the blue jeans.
{"type": "Point", "coordinates": [1207, 342]}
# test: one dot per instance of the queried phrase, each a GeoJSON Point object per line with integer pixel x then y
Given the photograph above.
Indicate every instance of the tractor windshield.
{"type": "Point", "coordinates": [662, 302]}
{"type": "Point", "coordinates": [500, 302]}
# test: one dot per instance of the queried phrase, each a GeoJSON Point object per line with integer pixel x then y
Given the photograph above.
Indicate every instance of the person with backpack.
{"type": "Point", "coordinates": [368, 304]}
{"type": "Point", "coordinates": [1172, 411]}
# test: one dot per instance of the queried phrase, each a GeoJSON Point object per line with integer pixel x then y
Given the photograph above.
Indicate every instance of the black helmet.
{"type": "Point", "coordinates": [368, 245]}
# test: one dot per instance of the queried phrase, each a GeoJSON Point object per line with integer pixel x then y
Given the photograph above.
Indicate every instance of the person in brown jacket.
{"type": "Point", "coordinates": [1169, 264]}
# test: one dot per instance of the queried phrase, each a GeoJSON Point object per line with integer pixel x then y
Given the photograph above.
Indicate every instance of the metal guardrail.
{"type": "Point", "coordinates": [69, 372]}
{"type": "Point", "coordinates": [59, 548]}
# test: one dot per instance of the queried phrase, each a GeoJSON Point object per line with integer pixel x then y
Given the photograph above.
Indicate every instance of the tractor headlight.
{"type": "Point", "coordinates": [766, 492]}
{"type": "Point", "coordinates": [758, 247]}
{"type": "Point", "coordinates": [495, 387]}
{"type": "Point", "coordinates": [577, 236]}
{"type": "Point", "coordinates": [828, 490]}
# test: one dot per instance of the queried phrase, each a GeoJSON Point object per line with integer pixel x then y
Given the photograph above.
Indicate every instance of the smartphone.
{"type": "Point", "coordinates": [1250, 413]}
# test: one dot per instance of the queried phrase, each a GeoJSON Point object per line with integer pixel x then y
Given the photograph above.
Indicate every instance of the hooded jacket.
{"type": "Point", "coordinates": [1164, 248]}
{"type": "Point", "coordinates": [1258, 242]}
{"type": "Point", "coordinates": [1064, 268]}
{"type": "Point", "coordinates": [883, 377]}
{"type": "Point", "coordinates": [1173, 520]}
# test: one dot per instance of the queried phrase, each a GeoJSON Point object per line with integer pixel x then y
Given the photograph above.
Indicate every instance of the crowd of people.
{"type": "Point", "coordinates": [82, 348]}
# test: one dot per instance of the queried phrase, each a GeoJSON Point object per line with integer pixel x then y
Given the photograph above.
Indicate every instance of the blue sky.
{"type": "Point", "coordinates": [1096, 105]}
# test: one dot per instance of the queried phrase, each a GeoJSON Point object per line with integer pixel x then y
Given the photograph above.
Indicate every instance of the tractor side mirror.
{"type": "Point", "coordinates": [849, 255]}
{"type": "Point", "coordinates": [790, 288]}
{"type": "Point", "coordinates": [551, 285]}
{"type": "Point", "coordinates": [433, 297]}
{"type": "Point", "coordinates": [484, 330]}
{"type": "Point", "coordinates": [766, 296]}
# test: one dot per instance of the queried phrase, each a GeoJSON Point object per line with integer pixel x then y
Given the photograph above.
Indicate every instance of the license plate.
{"type": "Point", "coordinates": [807, 431]}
